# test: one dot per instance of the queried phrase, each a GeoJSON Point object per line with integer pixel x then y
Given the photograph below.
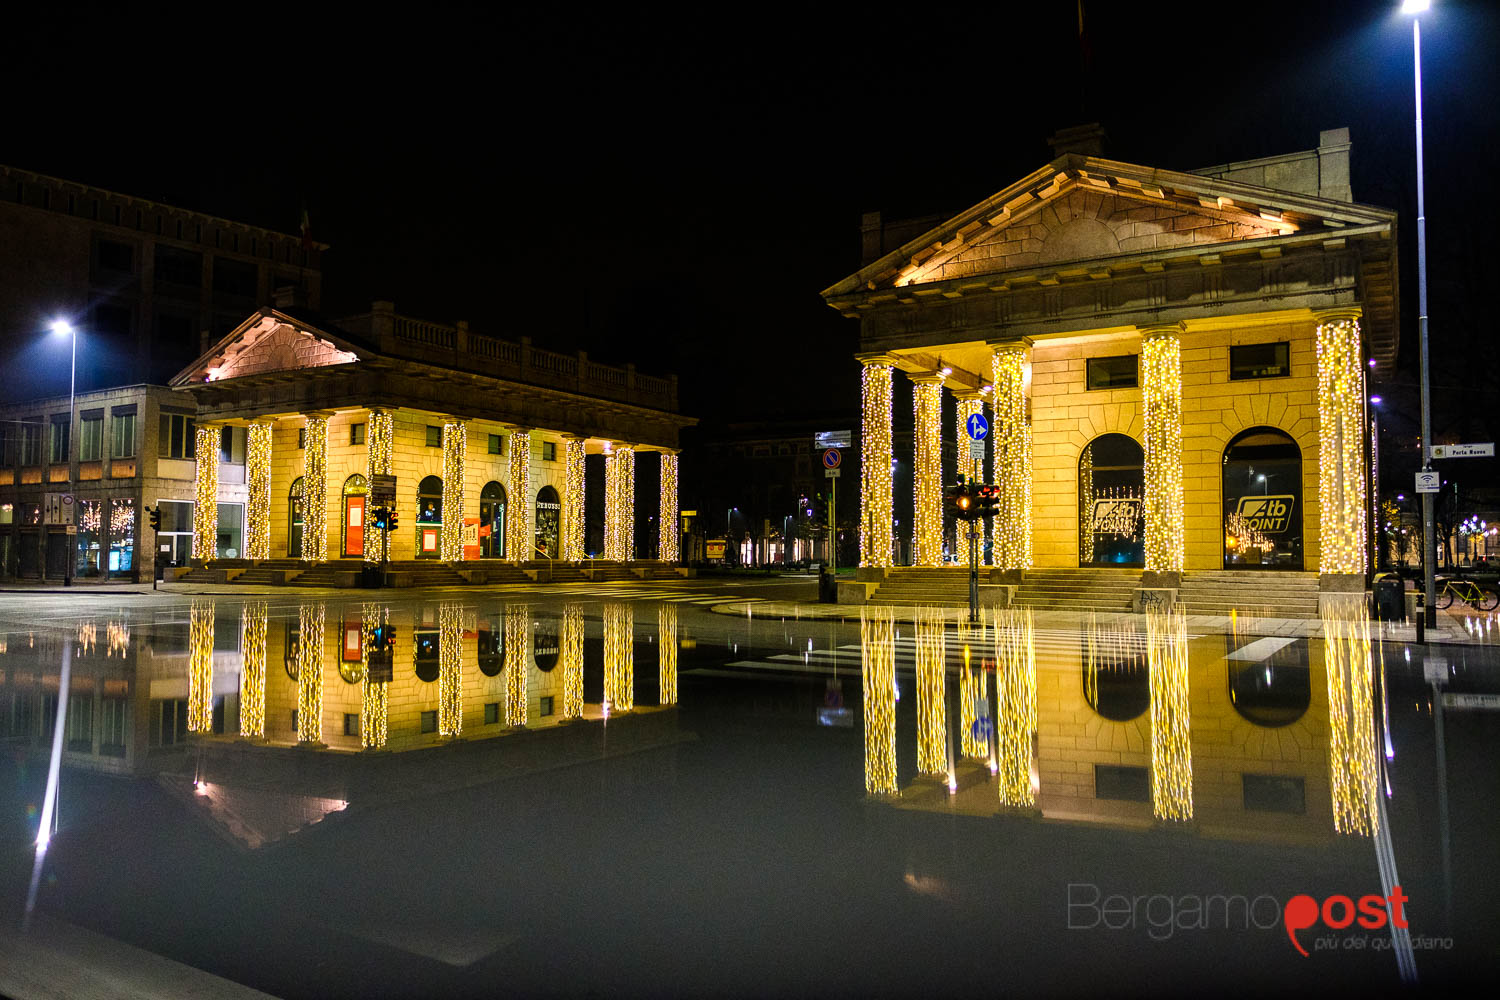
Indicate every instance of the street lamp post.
{"type": "Point", "coordinates": [1429, 527]}
{"type": "Point", "coordinates": [62, 326]}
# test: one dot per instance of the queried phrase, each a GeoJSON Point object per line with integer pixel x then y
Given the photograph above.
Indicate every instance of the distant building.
{"type": "Point", "coordinates": [143, 282]}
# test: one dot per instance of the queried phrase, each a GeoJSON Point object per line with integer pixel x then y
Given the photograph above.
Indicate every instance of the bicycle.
{"type": "Point", "coordinates": [1469, 593]}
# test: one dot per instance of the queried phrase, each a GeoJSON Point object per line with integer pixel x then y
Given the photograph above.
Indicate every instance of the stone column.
{"type": "Point", "coordinates": [206, 493]}
{"type": "Point", "coordinates": [1341, 454]}
{"type": "Point", "coordinates": [311, 636]}
{"type": "Point", "coordinates": [1010, 437]}
{"type": "Point", "coordinates": [450, 666]}
{"type": "Point", "coordinates": [970, 402]}
{"type": "Point", "coordinates": [519, 541]}
{"type": "Point", "coordinates": [200, 666]}
{"type": "Point", "coordinates": [380, 434]}
{"type": "Point", "coordinates": [573, 501]}
{"type": "Point", "coordinates": [669, 546]}
{"type": "Point", "coordinates": [315, 489]}
{"type": "Point", "coordinates": [258, 479]}
{"type": "Point", "coordinates": [517, 663]}
{"type": "Point", "coordinates": [455, 451]}
{"type": "Point", "coordinates": [1161, 405]}
{"type": "Point", "coordinates": [927, 520]}
{"type": "Point", "coordinates": [572, 660]}
{"type": "Point", "coordinates": [253, 673]}
{"type": "Point", "coordinates": [619, 503]}
{"type": "Point", "coordinates": [875, 516]}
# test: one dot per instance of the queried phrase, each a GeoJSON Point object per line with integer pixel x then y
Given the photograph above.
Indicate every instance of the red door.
{"type": "Point", "coordinates": [354, 526]}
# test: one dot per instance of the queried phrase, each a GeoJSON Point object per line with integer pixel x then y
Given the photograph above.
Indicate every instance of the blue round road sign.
{"type": "Point", "coordinates": [978, 426]}
{"type": "Point", "coordinates": [831, 458]}
{"type": "Point", "coordinates": [981, 728]}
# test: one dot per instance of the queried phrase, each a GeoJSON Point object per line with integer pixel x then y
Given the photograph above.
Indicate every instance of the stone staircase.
{"type": "Point", "coordinates": [653, 569]}
{"type": "Point", "coordinates": [328, 574]}
{"type": "Point", "coordinates": [428, 573]}
{"type": "Point", "coordinates": [1084, 589]}
{"type": "Point", "coordinates": [216, 571]}
{"type": "Point", "coordinates": [919, 586]}
{"type": "Point", "coordinates": [556, 572]}
{"type": "Point", "coordinates": [1249, 593]}
{"type": "Point", "coordinates": [609, 572]}
{"type": "Point", "coordinates": [269, 571]}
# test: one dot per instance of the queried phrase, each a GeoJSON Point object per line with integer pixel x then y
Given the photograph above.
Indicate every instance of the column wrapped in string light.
{"type": "Point", "coordinates": [932, 676]}
{"type": "Point", "coordinates": [1011, 439]}
{"type": "Point", "coordinates": [1171, 747]}
{"type": "Point", "coordinates": [973, 690]}
{"type": "Point", "coordinates": [988, 468]}
{"type": "Point", "coordinates": [1086, 502]}
{"type": "Point", "coordinates": [573, 500]}
{"type": "Point", "coordinates": [1161, 404]}
{"type": "Point", "coordinates": [206, 493]}
{"type": "Point", "coordinates": [969, 403]}
{"type": "Point", "coordinates": [877, 652]}
{"type": "Point", "coordinates": [668, 549]}
{"type": "Point", "coordinates": [619, 658]}
{"type": "Point", "coordinates": [1353, 775]}
{"type": "Point", "coordinates": [619, 504]}
{"type": "Point", "coordinates": [519, 542]}
{"type": "Point", "coordinates": [927, 488]}
{"type": "Point", "coordinates": [374, 696]}
{"type": "Point", "coordinates": [380, 433]}
{"type": "Point", "coordinates": [258, 500]}
{"type": "Point", "coordinates": [1341, 454]}
{"type": "Point", "coordinates": [876, 518]}
{"type": "Point", "coordinates": [253, 673]}
{"type": "Point", "coordinates": [200, 667]}
{"type": "Point", "coordinates": [315, 490]}
{"type": "Point", "coordinates": [666, 653]}
{"type": "Point", "coordinates": [1015, 688]}
{"type": "Point", "coordinates": [312, 620]}
{"type": "Point", "coordinates": [450, 670]}
{"type": "Point", "coordinates": [572, 660]}
{"type": "Point", "coordinates": [517, 662]}
{"type": "Point", "coordinates": [455, 450]}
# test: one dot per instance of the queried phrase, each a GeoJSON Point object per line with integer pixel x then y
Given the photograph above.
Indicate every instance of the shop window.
{"type": "Point", "coordinates": [1111, 488]}
{"type": "Point", "coordinates": [1262, 478]}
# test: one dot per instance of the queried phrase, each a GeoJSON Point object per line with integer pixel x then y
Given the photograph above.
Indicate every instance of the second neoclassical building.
{"type": "Point", "coordinates": [1173, 362]}
{"type": "Point", "coordinates": [298, 421]}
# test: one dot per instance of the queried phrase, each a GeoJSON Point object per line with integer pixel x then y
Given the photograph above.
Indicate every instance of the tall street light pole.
{"type": "Point", "coordinates": [1429, 527]}
{"type": "Point", "coordinates": [64, 327]}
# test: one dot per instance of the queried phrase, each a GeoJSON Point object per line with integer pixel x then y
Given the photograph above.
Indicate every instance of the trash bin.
{"type": "Point", "coordinates": [1390, 603]}
{"type": "Point", "coordinates": [828, 587]}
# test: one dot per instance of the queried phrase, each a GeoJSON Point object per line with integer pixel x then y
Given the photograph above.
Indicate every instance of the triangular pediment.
{"type": "Point", "coordinates": [268, 342]}
{"type": "Point", "coordinates": [1080, 210]}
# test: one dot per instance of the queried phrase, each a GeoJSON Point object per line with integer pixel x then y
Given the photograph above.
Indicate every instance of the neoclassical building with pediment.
{"type": "Point", "coordinates": [300, 421]}
{"type": "Point", "coordinates": [1172, 363]}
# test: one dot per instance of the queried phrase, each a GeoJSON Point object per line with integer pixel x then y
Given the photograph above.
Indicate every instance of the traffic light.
{"type": "Point", "coordinates": [382, 637]}
{"type": "Point", "coordinates": [390, 519]}
{"type": "Point", "coordinates": [989, 499]}
{"type": "Point", "coordinates": [378, 514]}
{"type": "Point", "coordinates": [155, 513]}
{"type": "Point", "coordinates": [962, 501]}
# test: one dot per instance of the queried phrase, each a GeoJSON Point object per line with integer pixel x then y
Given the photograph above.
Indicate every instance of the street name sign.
{"type": "Point", "coordinates": [1429, 482]}
{"type": "Point", "coordinates": [1485, 450]}
{"type": "Point", "coordinates": [833, 439]}
{"type": "Point", "coordinates": [1485, 701]}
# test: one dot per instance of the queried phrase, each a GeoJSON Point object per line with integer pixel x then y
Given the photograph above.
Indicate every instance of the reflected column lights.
{"type": "Point", "coordinates": [877, 628]}
{"type": "Point", "coordinates": [572, 660]}
{"type": "Point", "coordinates": [253, 673]}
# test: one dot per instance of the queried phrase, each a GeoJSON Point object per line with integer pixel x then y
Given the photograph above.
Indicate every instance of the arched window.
{"type": "Point", "coordinates": [294, 520]}
{"type": "Point", "coordinates": [355, 488]}
{"type": "Point", "coordinates": [1116, 677]}
{"type": "Point", "coordinates": [1275, 691]}
{"type": "Point", "coordinates": [429, 517]}
{"type": "Point", "coordinates": [491, 643]}
{"type": "Point", "coordinates": [1262, 501]}
{"type": "Point", "coordinates": [1111, 485]}
{"type": "Point", "coordinates": [548, 523]}
{"type": "Point", "coordinates": [545, 642]}
{"type": "Point", "coordinates": [425, 654]}
{"type": "Point", "coordinates": [492, 521]}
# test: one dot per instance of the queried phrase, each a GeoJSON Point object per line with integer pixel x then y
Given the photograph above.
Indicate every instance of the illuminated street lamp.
{"type": "Point", "coordinates": [1429, 540]}
{"type": "Point", "coordinates": [62, 327]}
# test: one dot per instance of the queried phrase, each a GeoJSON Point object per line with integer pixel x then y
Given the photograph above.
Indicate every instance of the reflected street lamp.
{"type": "Point", "coordinates": [62, 327]}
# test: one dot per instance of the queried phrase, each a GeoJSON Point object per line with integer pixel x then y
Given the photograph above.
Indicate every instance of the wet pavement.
{"type": "Point", "coordinates": [565, 790]}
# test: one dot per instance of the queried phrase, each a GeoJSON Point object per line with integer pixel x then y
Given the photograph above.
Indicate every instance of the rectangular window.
{"type": "Point", "coordinates": [301, 437]}
{"type": "Point", "coordinates": [31, 442]}
{"type": "Point", "coordinates": [177, 266]}
{"type": "Point", "coordinates": [434, 436]}
{"type": "Point", "coordinates": [234, 277]}
{"type": "Point", "coordinates": [1260, 361]}
{"type": "Point", "coordinates": [546, 705]}
{"type": "Point", "coordinates": [179, 435]}
{"type": "Point", "coordinates": [112, 712]}
{"type": "Point", "coordinates": [549, 451]}
{"type": "Point", "coordinates": [168, 723]}
{"type": "Point", "coordinates": [491, 713]}
{"type": "Point", "coordinates": [57, 441]}
{"type": "Point", "coordinates": [429, 722]}
{"type": "Point", "coordinates": [356, 433]}
{"type": "Point", "coordinates": [91, 438]}
{"type": "Point", "coordinates": [1113, 373]}
{"type": "Point", "coordinates": [10, 438]}
{"type": "Point", "coordinates": [1130, 784]}
{"type": "Point", "coordinates": [226, 444]}
{"type": "Point", "coordinates": [497, 444]}
{"type": "Point", "coordinates": [351, 724]}
{"type": "Point", "coordinates": [80, 731]}
{"type": "Point", "coordinates": [122, 435]}
{"type": "Point", "coordinates": [112, 256]}
{"type": "Point", "coordinates": [1274, 793]}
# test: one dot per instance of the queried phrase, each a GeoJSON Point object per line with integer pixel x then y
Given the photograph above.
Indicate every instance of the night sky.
{"type": "Point", "coordinates": [676, 190]}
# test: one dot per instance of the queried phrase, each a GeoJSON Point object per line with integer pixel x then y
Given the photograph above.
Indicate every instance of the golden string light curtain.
{"type": "Point", "coordinates": [876, 519]}
{"type": "Point", "coordinates": [258, 493]}
{"type": "Point", "coordinates": [380, 429]}
{"type": "Point", "coordinates": [573, 499]}
{"type": "Point", "coordinates": [315, 490]}
{"type": "Point", "coordinates": [200, 666]}
{"type": "Point", "coordinates": [669, 547]}
{"type": "Point", "coordinates": [450, 670]}
{"type": "Point", "coordinates": [619, 504]}
{"type": "Point", "coordinates": [1161, 403]}
{"type": "Point", "coordinates": [519, 541]}
{"type": "Point", "coordinates": [1015, 689]}
{"type": "Point", "coordinates": [1341, 455]}
{"type": "Point", "coordinates": [1354, 776]}
{"type": "Point", "coordinates": [666, 651]}
{"type": "Point", "coordinates": [571, 642]}
{"type": "Point", "coordinates": [1171, 740]}
{"type": "Point", "coordinates": [517, 662]}
{"type": "Point", "coordinates": [312, 619]}
{"type": "Point", "coordinates": [455, 450]}
{"type": "Point", "coordinates": [932, 714]}
{"type": "Point", "coordinates": [619, 658]}
{"type": "Point", "coordinates": [927, 520]}
{"type": "Point", "coordinates": [1011, 440]}
{"type": "Point", "coordinates": [253, 673]}
{"type": "Point", "coordinates": [973, 693]}
{"type": "Point", "coordinates": [206, 493]}
{"type": "Point", "coordinates": [877, 627]}
{"type": "Point", "coordinates": [374, 695]}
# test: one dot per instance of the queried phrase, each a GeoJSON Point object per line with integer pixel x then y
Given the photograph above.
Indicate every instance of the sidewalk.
{"type": "Point", "coordinates": [1454, 628]}
{"type": "Point", "coordinates": [58, 961]}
